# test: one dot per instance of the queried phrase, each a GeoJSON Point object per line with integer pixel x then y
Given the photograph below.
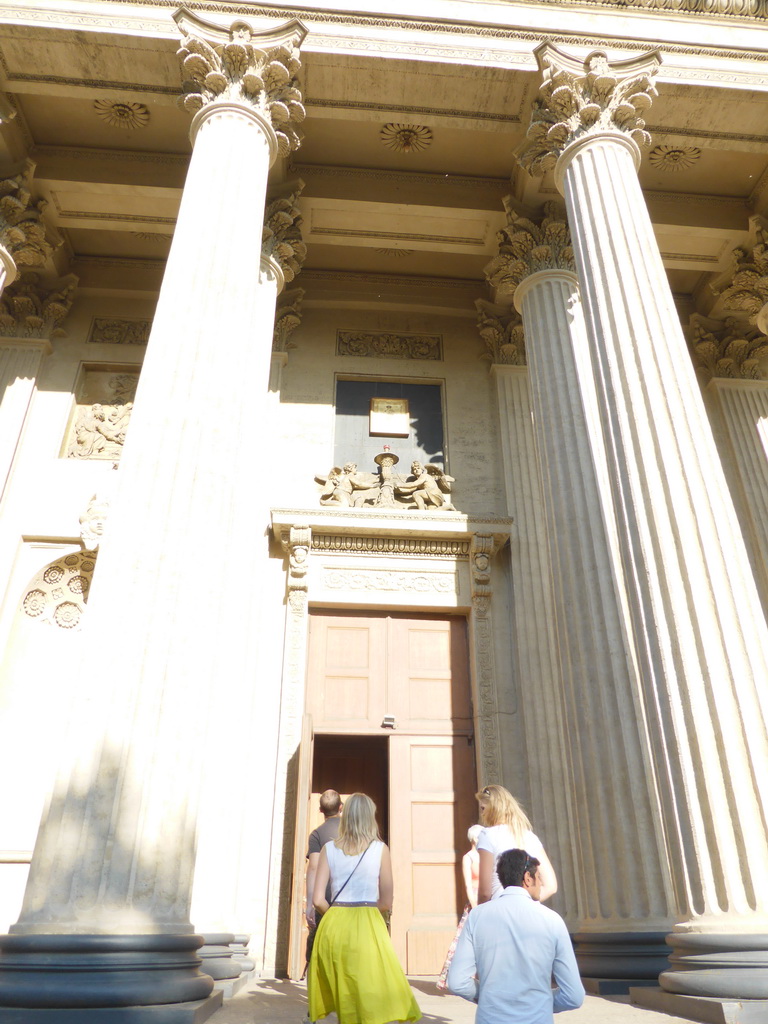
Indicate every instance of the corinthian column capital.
{"type": "Point", "coordinates": [727, 348]}
{"type": "Point", "coordinates": [282, 243]}
{"type": "Point", "coordinates": [527, 247]}
{"type": "Point", "coordinates": [254, 70]}
{"type": "Point", "coordinates": [502, 331]}
{"type": "Point", "coordinates": [748, 290]}
{"type": "Point", "coordinates": [584, 98]}
{"type": "Point", "coordinates": [30, 308]}
{"type": "Point", "coordinates": [22, 229]}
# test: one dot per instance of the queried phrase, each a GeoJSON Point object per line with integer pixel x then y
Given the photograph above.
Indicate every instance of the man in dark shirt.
{"type": "Point", "coordinates": [330, 805]}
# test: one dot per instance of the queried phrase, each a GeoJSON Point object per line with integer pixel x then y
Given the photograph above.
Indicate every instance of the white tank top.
{"type": "Point", "coordinates": [363, 886]}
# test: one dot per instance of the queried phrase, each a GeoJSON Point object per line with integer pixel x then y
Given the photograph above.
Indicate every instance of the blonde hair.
{"type": "Point", "coordinates": [357, 828]}
{"type": "Point", "coordinates": [503, 809]}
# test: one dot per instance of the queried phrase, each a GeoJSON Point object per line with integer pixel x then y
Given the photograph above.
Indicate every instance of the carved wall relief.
{"type": "Point", "coordinates": [103, 404]}
{"type": "Point", "coordinates": [112, 331]}
{"type": "Point", "coordinates": [426, 488]}
{"type": "Point", "coordinates": [389, 346]}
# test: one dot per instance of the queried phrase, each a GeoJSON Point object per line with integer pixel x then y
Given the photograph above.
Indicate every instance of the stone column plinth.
{"type": "Point", "coordinates": [699, 638]}
{"type": "Point", "coordinates": [174, 601]}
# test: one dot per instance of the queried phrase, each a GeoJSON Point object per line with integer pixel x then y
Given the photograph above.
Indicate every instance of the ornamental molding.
{"type": "Point", "coordinates": [31, 308]}
{"type": "Point", "coordinates": [527, 247]}
{"type": "Point", "coordinates": [412, 581]}
{"type": "Point", "coordinates": [582, 98]}
{"type": "Point", "coordinates": [387, 345]}
{"type": "Point", "coordinates": [114, 331]}
{"type": "Point", "coordinates": [501, 329]}
{"type": "Point", "coordinates": [119, 263]}
{"type": "Point", "coordinates": [728, 349]}
{"type": "Point", "coordinates": [23, 232]}
{"type": "Point", "coordinates": [483, 548]}
{"type": "Point", "coordinates": [112, 155]}
{"type": "Point", "coordinates": [242, 65]}
{"type": "Point", "coordinates": [398, 547]}
{"type": "Point", "coordinates": [287, 319]}
{"type": "Point", "coordinates": [404, 177]}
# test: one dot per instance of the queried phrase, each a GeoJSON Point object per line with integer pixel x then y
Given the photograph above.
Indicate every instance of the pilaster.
{"type": "Point", "coordinates": [697, 631]}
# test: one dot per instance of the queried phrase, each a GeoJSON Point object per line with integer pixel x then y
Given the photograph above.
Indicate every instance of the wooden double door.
{"type": "Point", "coordinates": [389, 714]}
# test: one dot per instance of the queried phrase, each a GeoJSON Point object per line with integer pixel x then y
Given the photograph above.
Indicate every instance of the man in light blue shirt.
{"type": "Point", "coordinates": [510, 949]}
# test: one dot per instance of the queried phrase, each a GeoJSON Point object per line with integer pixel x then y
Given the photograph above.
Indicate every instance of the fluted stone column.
{"type": "Point", "coordinates": [699, 636]}
{"type": "Point", "coordinates": [622, 914]}
{"type": "Point", "coordinates": [534, 642]}
{"type": "Point", "coordinates": [728, 357]}
{"type": "Point", "coordinates": [105, 920]}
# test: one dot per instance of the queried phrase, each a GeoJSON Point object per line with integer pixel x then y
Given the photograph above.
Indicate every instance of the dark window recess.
{"type": "Point", "coordinates": [353, 442]}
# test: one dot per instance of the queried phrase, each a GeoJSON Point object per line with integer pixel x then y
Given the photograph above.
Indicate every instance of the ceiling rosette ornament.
{"type": "Point", "coordinates": [240, 65]}
{"type": "Point", "coordinates": [526, 247]}
{"type": "Point", "coordinates": [586, 98]}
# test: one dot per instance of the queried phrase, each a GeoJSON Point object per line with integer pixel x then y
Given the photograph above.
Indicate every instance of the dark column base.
{"type": "Point", "coordinates": [721, 966]}
{"type": "Point", "coordinates": [626, 955]}
{"type": "Point", "coordinates": [705, 1010]}
{"type": "Point", "coordinates": [170, 1013]}
{"type": "Point", "coordinates": [218, 957]}
{"type": "Point", "coordinates": [67, 972]}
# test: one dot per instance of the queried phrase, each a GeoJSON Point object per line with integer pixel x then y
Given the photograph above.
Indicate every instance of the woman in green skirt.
{"type": "Point", "coordinates": [354, 971]}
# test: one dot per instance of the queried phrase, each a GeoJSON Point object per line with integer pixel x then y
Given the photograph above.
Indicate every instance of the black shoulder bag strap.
{"type": "Point", "coordinates": [354, 869]}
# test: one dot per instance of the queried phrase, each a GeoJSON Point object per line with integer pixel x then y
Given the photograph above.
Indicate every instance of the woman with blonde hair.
{"type": "Point", "coordinates": [354, 971]}
{"type": "Point", "coordinates": [506, 827]}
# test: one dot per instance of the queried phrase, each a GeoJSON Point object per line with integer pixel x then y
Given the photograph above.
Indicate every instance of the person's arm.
{"type": "Point", "coordinates": [466, 868]}
{"type": "Point", "coordinates": [569, 994]}
{"type": "Point", "coordinates": [322, 875]}
{"type": "Point", "coordinates": [485, 882]}
{"type": "Point", "coordinates": [462, 974]}
{"type": "Point", "coordinates": [386, 884]}
{"type": "Point", "coordinates": [312, 859]}
{"type": "Point", "coordinates": [547, 876]}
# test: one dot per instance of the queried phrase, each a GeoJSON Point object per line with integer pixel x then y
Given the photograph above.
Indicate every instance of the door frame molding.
{"type": "Point", "coordinates": [348, 559]}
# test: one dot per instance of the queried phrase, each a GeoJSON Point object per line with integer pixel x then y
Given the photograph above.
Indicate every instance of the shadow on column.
{"type": "Point", "coordinates": [58, 967]}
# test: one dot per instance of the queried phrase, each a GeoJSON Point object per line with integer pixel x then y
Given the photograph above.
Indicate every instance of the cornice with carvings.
{"type": "Point", "coordinates": [403, 547]}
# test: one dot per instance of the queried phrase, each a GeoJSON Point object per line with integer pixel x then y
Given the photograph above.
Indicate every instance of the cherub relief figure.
{"type": "Point", "coordinates": [427, 486]}
{"type": "Point", "coordinates": [342, 483]}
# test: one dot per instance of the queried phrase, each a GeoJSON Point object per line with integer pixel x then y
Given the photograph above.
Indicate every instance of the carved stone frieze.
{"type": "Point", "coordinates": [281, 238]}
{"type": "Point", "coordinates": [113, 331]}
{"type": "Point", "coordinates": [30, 308]}
{"type": "Point", "coordinates": [405, 546]}
{"type": "Point", "coordinates": [426, 488]}
{"type": "Point", "coordinates": [502, 331]}
{"type": "Point", "coordinates": [23, 231]}
{"type": "Point", "coordinates": [287, 319]}
{"type": "Point", "coordinates": [728, 348]}
{"type": "Point", "coordinates": [526, 247]}
{"type": "Point", "coordinates": [389, 346]}
{"type": "Point", "coordinates": [244, 66]}
{"type": "Point", "coordinates": [749, 288]}
{"type": "Point", "coordinates": [586, 98]}
{"type": "Point", "coordinates": [482, 549]}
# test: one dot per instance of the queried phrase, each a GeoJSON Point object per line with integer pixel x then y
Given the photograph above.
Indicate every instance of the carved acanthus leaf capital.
{"type": "Point", "coordinates": [31, 309]}
{"type": "Point", "coordinates": [748, 290]}
{"type": "Point", "coordinates": [502, 331]}
{"type": "Point", "coordinates": [287, 319]}
{"type": "Point", "coordinates": [22, 229]}
{"type": "Point", "coordinates": [727, 348]}
{"type": "Point", "coordinates": [244, 66]}
{"type": "Point", "coordinates": [281, 239]}
{"type": "Point", "coordinates": [526, 247]}
{"type": "Point", "coordinates": [577, 99]}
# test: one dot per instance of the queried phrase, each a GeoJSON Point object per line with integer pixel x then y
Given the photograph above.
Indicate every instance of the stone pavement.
{"type": "Point", "coordinates": [285, 1002]}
